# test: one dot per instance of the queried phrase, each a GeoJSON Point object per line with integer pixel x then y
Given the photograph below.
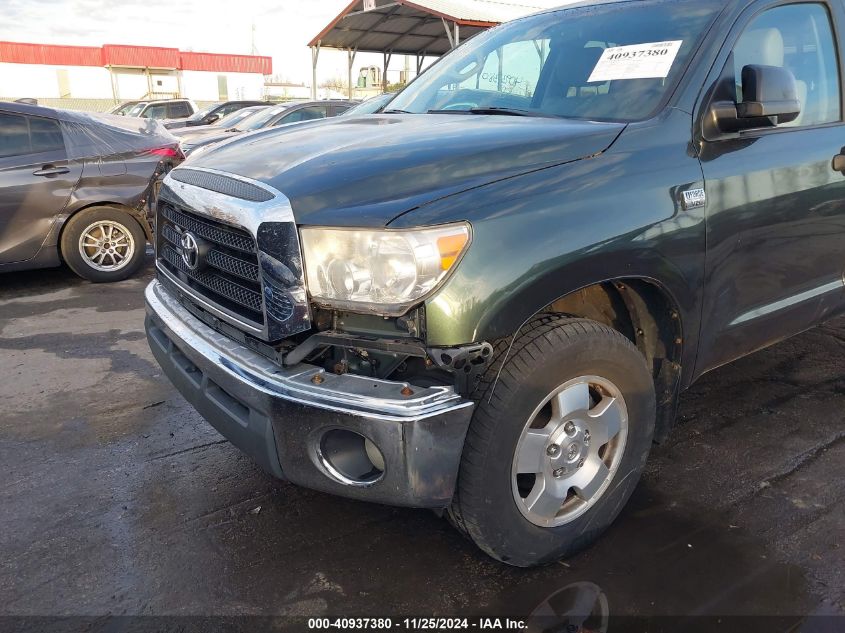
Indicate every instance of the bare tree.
{"type": "Point", "coordinates": [335, 83]}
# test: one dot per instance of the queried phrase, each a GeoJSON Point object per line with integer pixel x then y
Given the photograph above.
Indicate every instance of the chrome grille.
{"type": "Point", "coordinates": [229, 247]}
{"type": "Point", "coordinates": [219, 285]}
{"type": "Point", "coordinates": [229, 275]}
{"type": "Point", "coordinates": [234, 265]}
{"type": "Point", "coordinates": [216, 257]}
{"type": "Point", "coordinates": [223, 236]}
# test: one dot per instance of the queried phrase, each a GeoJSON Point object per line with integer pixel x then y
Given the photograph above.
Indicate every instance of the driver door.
{"type": "Point", "coordinates": [775, 205]}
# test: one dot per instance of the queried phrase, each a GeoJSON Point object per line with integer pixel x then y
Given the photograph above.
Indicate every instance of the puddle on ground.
{"type": "Point", "coordinates": [663, 567]}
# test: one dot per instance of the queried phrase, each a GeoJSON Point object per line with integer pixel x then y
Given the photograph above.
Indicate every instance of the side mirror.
{"type": "Point", "coordinates": [768, 91]}
{"type": "Point", "coordinates": [769, 98]}
{"type": "Point", "coordinates": [212, 118]}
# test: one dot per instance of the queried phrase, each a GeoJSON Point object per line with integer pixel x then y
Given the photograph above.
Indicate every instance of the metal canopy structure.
{"type": "Point", "coordinates": [422, 28]}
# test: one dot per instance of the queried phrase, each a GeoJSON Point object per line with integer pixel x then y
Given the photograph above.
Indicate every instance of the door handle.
{"type": "Point", "coordinates": [50, 170]}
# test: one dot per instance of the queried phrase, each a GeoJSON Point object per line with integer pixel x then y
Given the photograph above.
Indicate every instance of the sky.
{"type": "Point", "coordinates": [283, 29]}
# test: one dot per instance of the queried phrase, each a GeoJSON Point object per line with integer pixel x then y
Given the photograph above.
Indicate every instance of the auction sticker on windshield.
{"type": "Point", "coordinates": [637, 61]}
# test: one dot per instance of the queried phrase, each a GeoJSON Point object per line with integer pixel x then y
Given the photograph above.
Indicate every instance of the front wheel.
{"type": "Point", "coordinates": [103, 244]}
{"type": "Point", "coordinates": [556, 449]}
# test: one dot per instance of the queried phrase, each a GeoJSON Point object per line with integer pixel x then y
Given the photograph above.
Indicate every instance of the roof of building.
{"type": "Point", "coordinates": [416, 27]}
{"type": "Point", "coordinates": [491, 11]}
{"type": "Point", "coordinates": [132, 57]}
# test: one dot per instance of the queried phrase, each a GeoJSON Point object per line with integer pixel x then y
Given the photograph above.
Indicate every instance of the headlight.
{"type": "Point", "coordinates": [383, 271]}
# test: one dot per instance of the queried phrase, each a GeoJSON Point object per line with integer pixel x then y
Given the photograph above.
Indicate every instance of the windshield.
{"type": "Point", "coordinates": [199, 116]}
{"type": "Point", "coordinates": [137, 109]}
{"type": "Point", "coordinates": [231, 120]}
{"type": "Point", "coordinates": [607, 62]}
{"type": "Point", "coordinates": [259, 119]}
{"type": "Point", "coordinates": [370, 106]}
{"type": "Point", "coordinates": [124, 108]}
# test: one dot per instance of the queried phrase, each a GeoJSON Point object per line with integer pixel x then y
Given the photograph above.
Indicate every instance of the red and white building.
{"type": "Point", "coordinates": [122, 73]}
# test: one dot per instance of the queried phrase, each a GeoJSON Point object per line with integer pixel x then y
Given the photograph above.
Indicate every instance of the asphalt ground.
{"type": "Point", "coordinates": [117, 499]}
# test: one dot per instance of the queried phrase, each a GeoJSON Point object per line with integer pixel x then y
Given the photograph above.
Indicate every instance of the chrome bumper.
{"type": "Point", "coordinates": [279, 416]}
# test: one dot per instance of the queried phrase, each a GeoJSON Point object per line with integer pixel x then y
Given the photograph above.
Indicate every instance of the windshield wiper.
{"type": "Point", "coordinates": [490, 110]}
{"type": "Point", "coordinates": [395, 111]}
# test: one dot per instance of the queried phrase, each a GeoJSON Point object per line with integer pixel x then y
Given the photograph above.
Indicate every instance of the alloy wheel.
{"type": "Point", "coordinates": [106, 245]}
{"type": "Point", "coordinates": [569, 451]}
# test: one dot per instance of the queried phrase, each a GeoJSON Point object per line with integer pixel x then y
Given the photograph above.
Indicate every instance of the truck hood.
{"type": "Point", "coordinates": [366, 171]}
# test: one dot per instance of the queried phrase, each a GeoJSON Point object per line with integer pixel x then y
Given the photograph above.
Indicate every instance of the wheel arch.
{"type": "Point", "coordinates": [139, 216]}
{"type": "Point", "coordinates": [647, 313]}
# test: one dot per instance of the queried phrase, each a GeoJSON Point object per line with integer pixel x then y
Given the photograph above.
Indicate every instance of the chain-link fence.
{"type": "Point", "coordinates": [87, 105]}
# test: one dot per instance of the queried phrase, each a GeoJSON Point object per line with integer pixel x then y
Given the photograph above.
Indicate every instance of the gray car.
{"type": "Point", "coordinates": [210, 115]}
{"type": "Point", "coordinates": [280, 114]}
{"type": "Point", "coordinates": [188, 134]}
{"type": "Point", "coordinates": [77, 187]}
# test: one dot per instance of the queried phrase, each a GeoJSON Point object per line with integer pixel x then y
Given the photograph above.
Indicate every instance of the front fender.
{"type": "Point", "coordinates": [543, 235]}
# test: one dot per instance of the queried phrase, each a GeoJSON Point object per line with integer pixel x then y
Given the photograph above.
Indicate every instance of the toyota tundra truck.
{"type": "Point", "coordinates": [487, 299]}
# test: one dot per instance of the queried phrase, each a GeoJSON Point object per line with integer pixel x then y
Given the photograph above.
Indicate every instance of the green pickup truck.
{"type": "Point", "coordinates": [487, 299]}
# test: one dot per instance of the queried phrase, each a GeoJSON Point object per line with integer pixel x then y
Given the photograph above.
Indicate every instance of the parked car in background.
{"type": "Point", "coordinates": [123, 108]}
{"type": "Point", "coordinates": [162, 109]}
{"type": "Point", "coordinates": [212, 114]}
{"type": "Point", "coordinates": [373, 105]}
{"type": "Point", "coordinates": [227, 122]}
{"type": "Point", "coordinates": [281, 114]}
{"type": "Point", "coordinates": [77, 187]}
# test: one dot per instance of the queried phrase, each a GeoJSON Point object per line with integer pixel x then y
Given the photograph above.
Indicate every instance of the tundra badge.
{"type": "Point", "coordinates": [694, 198]}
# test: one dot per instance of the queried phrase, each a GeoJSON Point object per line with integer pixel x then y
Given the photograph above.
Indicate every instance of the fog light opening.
{"type": "Point", "coordinates": [351, 458]}
{"type": "Point", "coordinates": [374, 454]}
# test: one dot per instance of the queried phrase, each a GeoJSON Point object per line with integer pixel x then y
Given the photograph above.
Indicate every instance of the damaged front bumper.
{"type": "Point", "coordinates": [291, 420]}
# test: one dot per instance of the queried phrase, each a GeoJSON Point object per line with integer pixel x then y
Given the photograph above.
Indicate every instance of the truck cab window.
{"type": "Point", "coordinates": [178, 110]}
{"type": "Point", "coordinates": [797, 37]}
{"type": "Point", "coordinates": [158, 111]}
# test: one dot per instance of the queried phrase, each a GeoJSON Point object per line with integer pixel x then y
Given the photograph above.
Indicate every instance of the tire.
{"type": "Point", "coordinates": [509, 512]}
{"type": "Point", "coordinates": [96, 259]}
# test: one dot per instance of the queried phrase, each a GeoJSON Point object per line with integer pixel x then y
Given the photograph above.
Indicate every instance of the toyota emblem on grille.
{"type": "Point", "coordinates": [190, 251]}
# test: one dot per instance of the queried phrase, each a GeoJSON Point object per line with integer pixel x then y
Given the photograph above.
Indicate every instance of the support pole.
{"type": "Point", "coordinates": [315, 54]}
{"type": "Point", "coordinates": [457, 35]}
{"type": "Point", "coordinates": [351, 57]}
{"type": "Point", "coordinates": [387, 56]}
{"type": "Point", "coordinates": [114, 90]}
{"type": "Point", "coordinates": [448, 33]}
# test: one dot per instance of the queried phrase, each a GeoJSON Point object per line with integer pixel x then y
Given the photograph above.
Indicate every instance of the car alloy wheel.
{"type": "Point", "coordinates": [569, 451]}
{"type": "Point", "coordinates": [106, 246]}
